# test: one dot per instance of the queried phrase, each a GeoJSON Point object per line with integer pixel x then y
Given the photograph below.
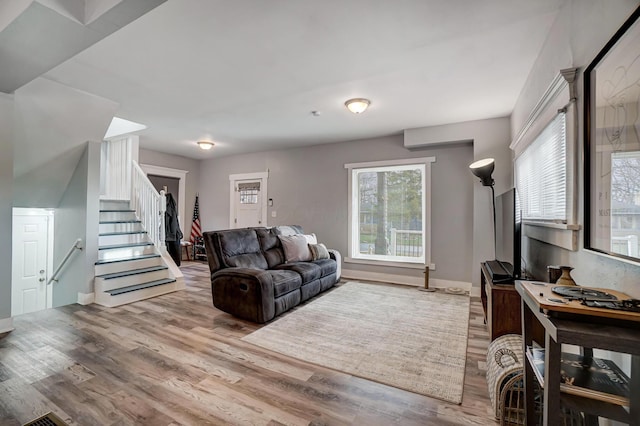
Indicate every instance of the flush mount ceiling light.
{"type": "Point", "coordinates": [206, 145]}
{"type": "Point", "coordinates": [357, 105]}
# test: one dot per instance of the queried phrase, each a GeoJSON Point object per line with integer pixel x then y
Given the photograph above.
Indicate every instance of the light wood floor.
{"type": "Point", "coordinates": [175, 359]}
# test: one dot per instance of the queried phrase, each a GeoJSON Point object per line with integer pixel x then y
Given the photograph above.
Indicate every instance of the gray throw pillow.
{"type": "Point", "coordinates": [319, 251]}
{"type": "Point", "coordinates": [296, 248]}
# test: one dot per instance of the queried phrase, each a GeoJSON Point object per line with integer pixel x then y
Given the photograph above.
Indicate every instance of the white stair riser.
{"type": "Point", "coordinates": [109, 268]}
{"type": "Point", "coordinates": [114, 205]}
{"type": "Point", "coordinates": [122, 253]}
{"type": "Point", "coordinates": [108, 240]}
{"type": "Point", "coordinates": [129, 280]}
{"type": "Point", "coordinates": [113, 216]}
{"type": "Point", "coordinates": [119, 227]}
{"type": "Point", "coordinates": [105, 299]}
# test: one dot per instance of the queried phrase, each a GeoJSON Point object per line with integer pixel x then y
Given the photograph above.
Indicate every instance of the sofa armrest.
{"type": "Point", "coordinates": [245, 293]}
{"type": "Point", "coordinates": [335, 255]}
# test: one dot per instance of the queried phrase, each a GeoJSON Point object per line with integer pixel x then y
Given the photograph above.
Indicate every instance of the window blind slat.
{"type": "Point", "coordinates": [541, 176]}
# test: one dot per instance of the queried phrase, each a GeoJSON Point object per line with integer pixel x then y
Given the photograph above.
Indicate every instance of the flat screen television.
{"type": "Point", "coordinates": [508, 236]}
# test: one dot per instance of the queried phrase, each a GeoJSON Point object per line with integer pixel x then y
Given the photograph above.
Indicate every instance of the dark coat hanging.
{"type": "Point", "coordinates": [173, 234]}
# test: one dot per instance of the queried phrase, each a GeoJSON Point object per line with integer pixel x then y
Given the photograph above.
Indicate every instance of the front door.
{"type": "Point", "coordinates": [248, 204]}
{"type": "Point", "coordinates": [29, 274]}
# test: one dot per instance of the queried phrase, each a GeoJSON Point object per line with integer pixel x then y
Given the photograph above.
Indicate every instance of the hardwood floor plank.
{"type": "Point", "coordinates": [176, 360]}
{"type": "Point", "coordinates": [24, 403]}
{"type": "Point", "coordinates": [87, 408]}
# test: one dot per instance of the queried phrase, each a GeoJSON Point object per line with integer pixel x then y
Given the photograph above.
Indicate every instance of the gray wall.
{"type": "Point", "coordinates": [490, 140]}
{"type": "Point", "coordinates": [77, 216]}
{"type": "Point", "coordinates": [6, 201]}
{"type": "Point", "coordinates": [309, 188]}
{"type": "Point", "coordinates": [582, 29]}
{"type": "Point", "coordinates": [191, 185]}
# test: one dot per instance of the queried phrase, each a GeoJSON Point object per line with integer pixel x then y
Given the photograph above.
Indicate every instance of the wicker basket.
{"type": "Point", "coordinates": [504, 361]}
{"type": "Point", "coordinates": [506, 385]}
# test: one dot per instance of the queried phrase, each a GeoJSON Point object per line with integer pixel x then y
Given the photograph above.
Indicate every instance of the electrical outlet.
{"type": "Point", "coordinates": [273, 213]}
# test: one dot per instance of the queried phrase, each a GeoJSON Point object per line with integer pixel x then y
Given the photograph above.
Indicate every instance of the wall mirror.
{"type": "Point", "coordinates": [612, 145]}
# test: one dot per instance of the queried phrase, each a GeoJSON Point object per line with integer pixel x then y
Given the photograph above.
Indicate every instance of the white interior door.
{"type": "Point", "coordinates": [29, 271]}
{"type": "Point", "coordinates": [248, 203]}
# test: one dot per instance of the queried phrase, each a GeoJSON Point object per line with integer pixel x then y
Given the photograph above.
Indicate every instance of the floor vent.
{"type": "Point", "coordinates": [48, 419]}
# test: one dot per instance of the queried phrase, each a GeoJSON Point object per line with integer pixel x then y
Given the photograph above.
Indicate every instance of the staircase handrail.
{"type": "Point", "coordinates": [77, 245]}
{"type": "Point", "coordinates": [149, 205]}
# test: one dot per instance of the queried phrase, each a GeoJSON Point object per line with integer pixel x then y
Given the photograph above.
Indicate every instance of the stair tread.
{"type": "Point", "coordinates": [132, 272]}
{"type": "Point", "coordinates": [127, 245]}
{"type": "Point", "coordinates": [119, 221]}
{"type": "Point", "coordinates": [126, 259]}
{"type": "Point", "coordinates": [108, 234]}
{"type": "Point", "coordinates": [116, 210]}
{"type": "Point", "coordinates": [142, 286]}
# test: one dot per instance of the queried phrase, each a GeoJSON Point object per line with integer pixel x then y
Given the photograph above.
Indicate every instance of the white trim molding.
{"type": "Point", "coordinates": [6, 325]}
{"type": "Point", "coordinates": [565, 78]}
{"type": "Point", "coordinates": [86, 298]}
{"type": "Point", "coordinates": [432, 266]}
{"type": "Point", "coordinates": [348, 274]}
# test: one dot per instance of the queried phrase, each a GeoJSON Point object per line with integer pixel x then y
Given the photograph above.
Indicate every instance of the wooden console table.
{"type": "Point", "coordinates": [501, 304]}
{"type": "Point", "coordinates": [574, 324]}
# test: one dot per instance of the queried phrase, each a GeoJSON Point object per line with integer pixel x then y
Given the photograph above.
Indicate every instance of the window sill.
{"type": "Point", "coordinates": [558, 234]}
{"type": "Point", "coordinates": [552, 225]}
{"type": "Point", "coordinates": [405, 265]}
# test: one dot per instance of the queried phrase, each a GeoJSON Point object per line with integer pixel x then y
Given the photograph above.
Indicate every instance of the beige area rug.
{"type": "Point", "coordinates": [394, 335]}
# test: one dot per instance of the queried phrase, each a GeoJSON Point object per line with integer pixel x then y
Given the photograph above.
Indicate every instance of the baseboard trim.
{"type": "Point", "coordinates": [86, 298]}
{"type": "Point", "coordinates": [407, 280]}
{"type": "Point", "coordinates": [6, 325]}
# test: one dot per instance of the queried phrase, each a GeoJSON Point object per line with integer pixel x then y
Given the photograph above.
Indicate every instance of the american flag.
{"type": "Point", "coordinates": [196, 229]}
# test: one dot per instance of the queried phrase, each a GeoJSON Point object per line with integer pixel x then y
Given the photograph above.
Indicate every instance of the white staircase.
{"type": "Point", "coordinates": [129, 267]}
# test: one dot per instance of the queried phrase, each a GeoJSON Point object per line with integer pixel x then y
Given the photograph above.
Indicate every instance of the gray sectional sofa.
{"type": "Point", "coordinates": [251, 277]}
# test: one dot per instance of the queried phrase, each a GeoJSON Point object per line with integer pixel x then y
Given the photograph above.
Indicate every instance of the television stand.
{"type": "Point", "coordinates": [501, 303]}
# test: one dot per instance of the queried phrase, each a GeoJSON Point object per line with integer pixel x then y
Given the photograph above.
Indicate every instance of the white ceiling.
{"type": "Point", "coordinates": [246, 74]}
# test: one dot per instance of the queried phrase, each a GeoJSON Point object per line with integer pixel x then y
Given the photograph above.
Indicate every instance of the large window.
{"type": "Point", "coordinates": [389, 210]}
{"type": "Point", "coordinates": [541, 174]}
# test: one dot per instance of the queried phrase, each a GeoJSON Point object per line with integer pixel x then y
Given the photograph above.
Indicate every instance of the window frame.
{"type": "Point", "coordinates": [560, 95]}
{"type": "Point", "coordinates": [353, 213]}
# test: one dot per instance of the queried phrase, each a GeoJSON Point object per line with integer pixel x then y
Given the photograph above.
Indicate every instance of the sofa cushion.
{"type": "Point", "coordinates": [284, 281]}
{"type": "Point", "coordinates": [271, 246]}
{"type": "Point", "coordinates": [296, 248]}
{"type": "Point", "coordinates": [240, 248]}
{"type": "Point", "coordinates": [327, 266]}
{"type": "Point", "coordinates": [319, 251]}
{"type": "Point", "coordinates": [307, 270]}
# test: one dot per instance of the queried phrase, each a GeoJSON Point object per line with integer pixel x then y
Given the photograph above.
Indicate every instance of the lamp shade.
{"type": "Point", "coordinates": [483, 169]}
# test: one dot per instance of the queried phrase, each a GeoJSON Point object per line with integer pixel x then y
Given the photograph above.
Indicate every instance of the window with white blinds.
{"type": "Point", "coordinates": [541, 174]}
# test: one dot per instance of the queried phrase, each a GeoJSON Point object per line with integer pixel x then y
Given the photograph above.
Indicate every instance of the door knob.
{"type": "Point", "coordinates": [41, 279]}
{"type": "Point", "coordinates": [42, 271]}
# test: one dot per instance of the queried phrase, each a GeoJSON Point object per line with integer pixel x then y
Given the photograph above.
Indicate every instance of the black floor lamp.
{"type": "Point", "coordinates": [483, 169]}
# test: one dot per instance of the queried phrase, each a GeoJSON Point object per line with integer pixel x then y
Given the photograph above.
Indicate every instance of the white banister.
{"type": "Point", "coordinates": [77, 245]}
{"type": "Point", "coordinates": [149, 204]}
